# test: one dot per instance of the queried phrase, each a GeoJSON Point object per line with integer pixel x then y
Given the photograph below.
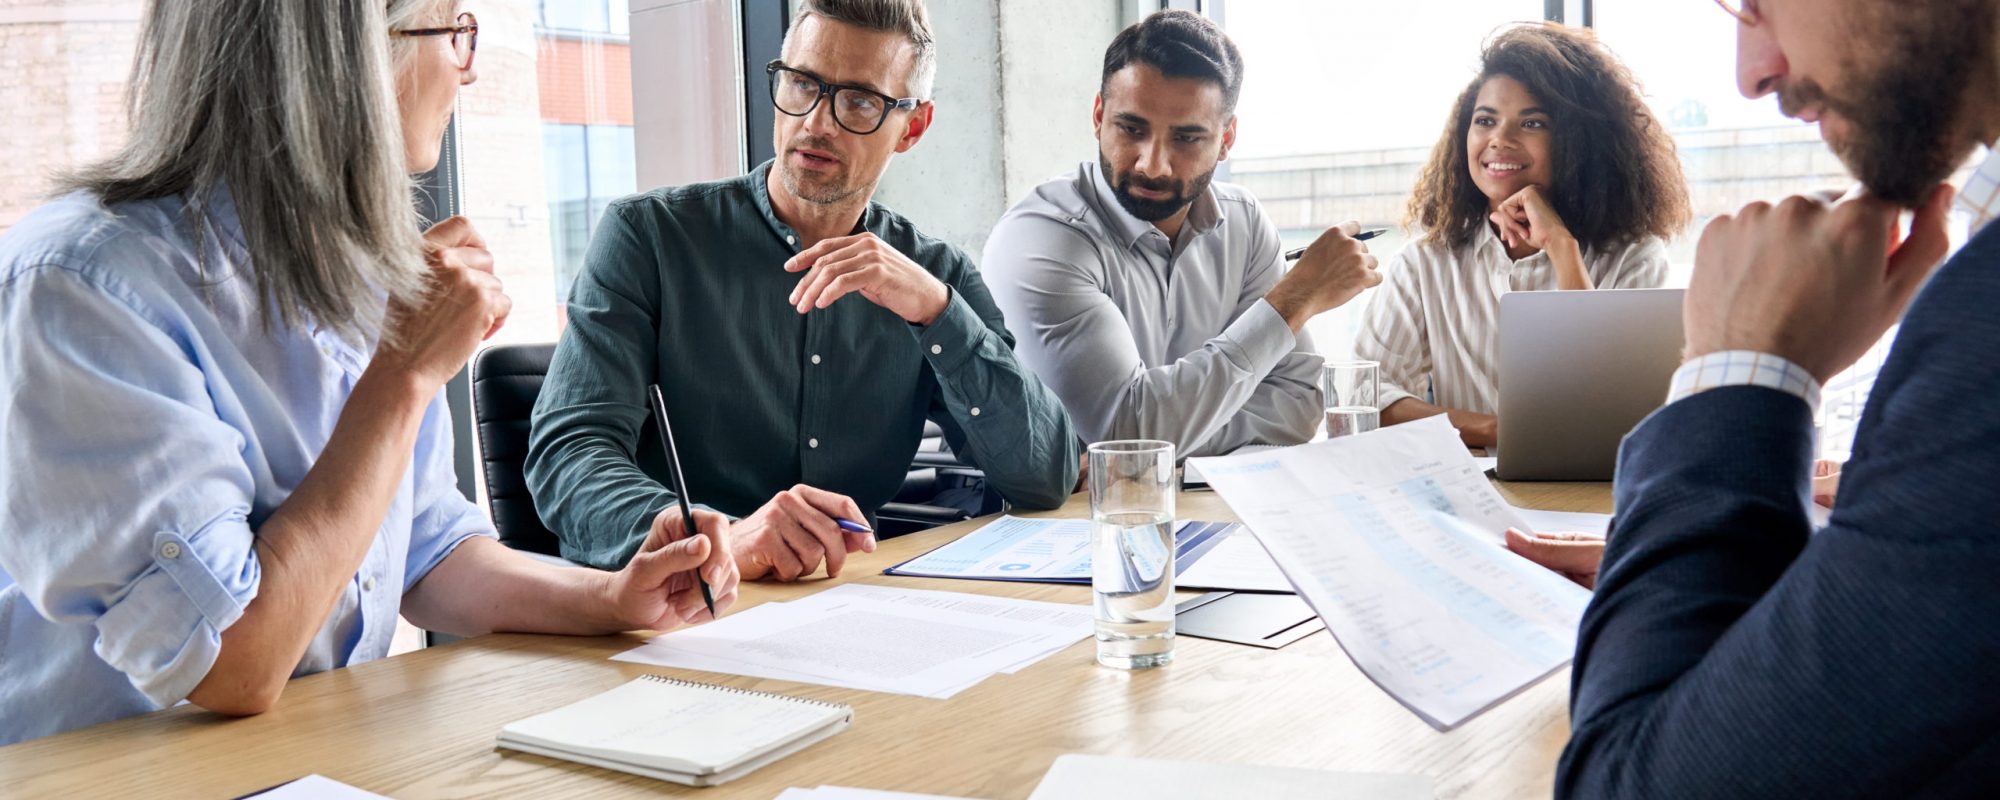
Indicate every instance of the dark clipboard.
{"type": "Point", "coordinates": [1256, 619]}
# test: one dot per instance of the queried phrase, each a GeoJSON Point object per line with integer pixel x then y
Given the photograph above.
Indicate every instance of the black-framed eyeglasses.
{"type": "Point", "coordinates": [464, 37]}
{"type": "Point", "coordinates": [857, 109]}
{"type": "Point", "coordinates": [1744, 11]}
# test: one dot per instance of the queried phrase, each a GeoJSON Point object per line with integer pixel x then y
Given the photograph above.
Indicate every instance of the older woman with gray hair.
{"type": "Point", "coordinates": [225, 459]}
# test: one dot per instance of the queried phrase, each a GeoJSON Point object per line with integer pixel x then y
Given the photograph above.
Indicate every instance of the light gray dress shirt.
{"type": "Point", "coordinates": [1146, 338]}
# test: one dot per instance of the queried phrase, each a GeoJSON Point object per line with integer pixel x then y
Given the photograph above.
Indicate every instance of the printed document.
{"type": "Point", "coordinates": [1236, 564]}
{"type": "Point", "coordinates": [1043, 551]}
{"type": "Point", "coordinates": [902, 641]}
{"type": "Point", "coordinates": [1564, 521]}
{"type": "Point", "coordinates": [846, 793]}
{"type": "Point", "coordinates": [1087, 777]}
{"type": "Point", "coordinates": [1397, 540]}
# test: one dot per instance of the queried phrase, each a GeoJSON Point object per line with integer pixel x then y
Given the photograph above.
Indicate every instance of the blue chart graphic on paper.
{"type": "Point", "coordinates": [1041, 550]}
{"type": "Point", "coordinates": [1468, 603]}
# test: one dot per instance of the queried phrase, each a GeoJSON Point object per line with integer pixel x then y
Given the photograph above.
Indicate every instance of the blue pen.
{"type": "Point", "coordinates": [851, 526]}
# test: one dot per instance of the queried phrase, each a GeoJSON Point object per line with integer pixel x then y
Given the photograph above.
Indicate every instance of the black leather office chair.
{"type": "Point", "coordinates": [505, 382]}
{"type": "Point", "coordinates": [939, 489]}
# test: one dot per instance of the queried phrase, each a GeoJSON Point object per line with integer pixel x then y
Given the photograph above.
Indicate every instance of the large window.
{"type": "Point", "coordinates": [1734, 150]}
{"type": "Point", "coordinates": [546, 144]}
{"type": "Point", "coordinates": [584, 16]}
{"type": "Point", "coordinates": [588, 167]}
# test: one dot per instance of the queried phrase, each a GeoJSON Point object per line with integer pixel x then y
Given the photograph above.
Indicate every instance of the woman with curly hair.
{"type": "Point", "coordinates": [1551, 175]}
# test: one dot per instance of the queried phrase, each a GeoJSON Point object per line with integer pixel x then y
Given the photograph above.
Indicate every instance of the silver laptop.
{"type": "Point", "coordinates": [1578, 371]}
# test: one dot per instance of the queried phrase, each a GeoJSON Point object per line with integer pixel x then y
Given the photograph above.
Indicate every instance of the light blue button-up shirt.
{"type": "Point", "coordinates": [149, 424]}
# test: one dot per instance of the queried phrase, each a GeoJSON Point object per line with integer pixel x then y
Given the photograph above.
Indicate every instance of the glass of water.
{"type": "Point", "coordinates": [1351, 389]}
{"type": "Point", "coordinates": [1132, 552]}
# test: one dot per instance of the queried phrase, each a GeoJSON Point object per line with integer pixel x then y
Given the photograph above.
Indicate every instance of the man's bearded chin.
{"type": "Point", "coordinates": [1909, 116]}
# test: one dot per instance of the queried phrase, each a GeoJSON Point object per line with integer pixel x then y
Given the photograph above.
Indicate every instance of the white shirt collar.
{"type": "Point", "coordinates": [1980, 195]}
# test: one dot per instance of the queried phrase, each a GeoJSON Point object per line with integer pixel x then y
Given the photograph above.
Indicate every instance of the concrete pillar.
{"type": "Point", "coordinates": [1014, 89]}
{"type": "Point", "coordinates": [688, 118]}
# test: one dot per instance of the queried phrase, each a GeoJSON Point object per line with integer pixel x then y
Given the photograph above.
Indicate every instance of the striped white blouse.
{"type": "Point", "coordinates": [1435, 322]}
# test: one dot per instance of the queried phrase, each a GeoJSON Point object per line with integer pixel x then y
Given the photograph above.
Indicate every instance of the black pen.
{"type": "Point", "coordinates": [1359, 237]}
{"type": "Point", "coordinates": [679, 484]}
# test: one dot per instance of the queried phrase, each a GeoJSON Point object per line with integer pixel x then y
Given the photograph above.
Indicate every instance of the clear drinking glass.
{"type": "Point", "coordinates": [1132, 552]}
{"type": "Point", "coordinates": [1351, 389]}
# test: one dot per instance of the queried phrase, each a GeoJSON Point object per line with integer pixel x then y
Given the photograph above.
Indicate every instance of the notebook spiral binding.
{"type": "Point", "coordinates": [751, 692]}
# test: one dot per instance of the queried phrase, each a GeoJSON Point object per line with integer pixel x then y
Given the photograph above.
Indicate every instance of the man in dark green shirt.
{"type": "Point", "coordinates": [800, 333]}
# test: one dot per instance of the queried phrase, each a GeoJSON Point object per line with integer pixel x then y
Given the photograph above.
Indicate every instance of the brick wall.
{"type": "Point", "coordinates": [505, 186]}
{"type": "Point", "coordinates": [586, 82]}
{"type": "Point", "coordinates": [63, 98]}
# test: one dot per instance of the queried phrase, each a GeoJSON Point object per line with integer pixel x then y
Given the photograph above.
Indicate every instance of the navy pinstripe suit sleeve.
{"type": "Point", "coordinates": [1731, 652]}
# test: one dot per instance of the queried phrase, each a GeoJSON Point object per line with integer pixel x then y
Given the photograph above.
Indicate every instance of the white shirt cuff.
{"type": "Point", "coordinates": [1745, 368]}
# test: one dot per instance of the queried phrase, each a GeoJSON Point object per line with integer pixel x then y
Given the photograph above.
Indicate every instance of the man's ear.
{"type": "Point", "coordinates": [919, 124]}
{"type": "Point", "coordinates": [1228, 137]}
{"type": "Point", "coordinates": [1097, 117]}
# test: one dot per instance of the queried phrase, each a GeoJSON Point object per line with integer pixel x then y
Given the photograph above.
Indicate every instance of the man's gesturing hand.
{"type": "Point", "coordinates": [1334, 269]}
{"type": "Point", "coordinates": [862, 263]}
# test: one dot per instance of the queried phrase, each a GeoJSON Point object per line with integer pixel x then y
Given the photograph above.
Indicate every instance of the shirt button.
{"type": "Point", "coordinates": [368, 584]}
{"type": "Point", "coordinates": [975, 411]}
{"type": "Point", "coordinates": [812, 443]}
{"type": "Point", "coordinates": [170, 550]}
{"type": "Point", "coordinates": [937, 349]}
{"type": "Point", "coordinates": [815, 358]}
{"type": "Point", "coordinates": [791, 240]}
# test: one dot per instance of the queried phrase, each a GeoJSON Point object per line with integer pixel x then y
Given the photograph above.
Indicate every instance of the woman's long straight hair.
{"type": "Point", "coordinates": [291, 105]}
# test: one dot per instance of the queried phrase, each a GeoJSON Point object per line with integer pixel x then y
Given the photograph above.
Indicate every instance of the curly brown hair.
{"type": "Point", "coordinates": [1617, 177]}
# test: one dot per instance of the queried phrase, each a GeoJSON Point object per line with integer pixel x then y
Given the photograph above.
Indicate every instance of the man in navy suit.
{"type": "Point", "coordinates": [1730, 651]}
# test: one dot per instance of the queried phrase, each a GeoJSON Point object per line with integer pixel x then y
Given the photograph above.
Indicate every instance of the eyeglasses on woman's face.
{"type": "Point", "coordinates": [1743, 10]}
{"type": "Point", "coordinates": [464, 38]}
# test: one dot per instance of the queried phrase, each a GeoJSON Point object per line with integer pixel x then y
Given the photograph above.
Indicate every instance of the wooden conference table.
{"type": "Point", "coordinates": [422, 724]}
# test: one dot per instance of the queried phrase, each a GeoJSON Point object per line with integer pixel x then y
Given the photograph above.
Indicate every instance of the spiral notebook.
{"type": "Point", "coordinates": [681, 731]}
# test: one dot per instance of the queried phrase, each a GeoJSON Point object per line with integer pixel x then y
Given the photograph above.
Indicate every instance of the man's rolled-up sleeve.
{"type": "Point", "coordinates": [124, 495]}
{"type": "Point", "coordinates": [581, 465]}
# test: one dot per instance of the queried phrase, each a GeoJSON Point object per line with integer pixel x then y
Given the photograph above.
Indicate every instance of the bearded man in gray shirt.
{"type": "Point", "coordinates": [1153, 301]}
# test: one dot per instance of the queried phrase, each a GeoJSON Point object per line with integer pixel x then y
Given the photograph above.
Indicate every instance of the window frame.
{"type": "Point", "coordinates": [438, 198]}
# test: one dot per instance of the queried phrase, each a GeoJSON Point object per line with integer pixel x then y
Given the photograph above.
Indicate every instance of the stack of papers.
{"type": "Point", "coordinates": [1191, 479]}
{"type": "Point", "coordinates": [1207, 555]}
{"type": "Point", "coordinates": [1564, 521]}
{"type": "Point", "coordinates": [1236, 563]}
{"type": "Point", "coordinates": [1397, 540]}
{"type": "Point", "coordinates": [316, 787]}
{"type": "Point", "coordinates": [1080, 777]}
{"type": "Point", "coordinates": [877, 638]}
{"type": "Point", "coordinates": [846, 793]}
